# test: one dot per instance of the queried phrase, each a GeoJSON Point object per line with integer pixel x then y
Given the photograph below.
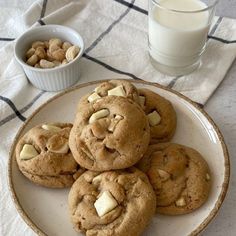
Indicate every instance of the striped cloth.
{"type": "Point", "coordinates": [115, 35]}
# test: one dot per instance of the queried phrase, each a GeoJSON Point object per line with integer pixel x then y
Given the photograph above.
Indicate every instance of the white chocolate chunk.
{"type": "Point", "coordinates": [154, 118]}
{"type": "Point", "coordinates": [111, 127]}
{"type": "Point", "coordinates": [62, 150]}
{"type": "Point", "coordinates": [114, 122]}
{"type": "Point", "coordinates": [105, 203]}
{"type": "Point", "coordinates": [52, 128]}
{"type": "Point", "coordinates": [98, 115]}
{"type": "Point", "coordinates": [117, 91]}
{"type": "Point", "coordinates": [180, 202]}
{"type": "Point", "coordinates": [163, 174]}
{"type": "Point", "coordinates": [28, 151]}
{"type": "Point", "coordinates": [97, 179]}
{"type": "Point", "coordinates": [208, 177]}
{"type": "Point", "coordinates": [72, 52]}
{"type": "Point", "coordinates": [93, 97]}
{"type": "Point", "coordinates": [142, 100]}
{"type": "Point", "coordinates": [96, 89]}
{"type": "Point", "coordinates": [118, 117]}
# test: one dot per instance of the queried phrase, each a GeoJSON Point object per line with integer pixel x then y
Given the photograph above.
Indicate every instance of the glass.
{"type": "Point", "coordinates": [178, 33]}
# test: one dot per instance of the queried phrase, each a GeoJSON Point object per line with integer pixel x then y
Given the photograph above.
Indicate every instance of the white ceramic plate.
{"type": "Point", "coordinates": [45, 210]}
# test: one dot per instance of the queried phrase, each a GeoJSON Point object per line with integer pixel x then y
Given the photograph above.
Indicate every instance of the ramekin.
{"type": "Point", "coordinates": [57, 78]}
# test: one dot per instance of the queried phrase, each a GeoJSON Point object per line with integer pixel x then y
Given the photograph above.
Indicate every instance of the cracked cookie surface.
{"type": "Point", "coordinates": [112, 133]}
{"type": "Point", "coordinates": [164, 129]}
{"type": "Point", "coordinates": [179, 175]}
{"type": "Point", "coordinates": [129, 189]}
{"type": "Point", "coordinates": [44, 157]}
{"type": "Point", "coordinates": [122, 88]}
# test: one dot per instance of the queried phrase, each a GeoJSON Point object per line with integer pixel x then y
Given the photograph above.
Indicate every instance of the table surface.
{"type": "Point", "coordinates": [226, 8]}
{"type": "Point", "coordinates": [222, 108]}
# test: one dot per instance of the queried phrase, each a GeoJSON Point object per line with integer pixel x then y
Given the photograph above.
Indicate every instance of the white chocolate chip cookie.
{"type": "Point", "coordinates": [179, 175]}
{"type": "Point", "coordinates": [111, 133]}
{"type": "Point", "coordinates": [161, 115]}
{"type": "Point", "coordinates": [112, 202]}
{"type": "Point", "coordinates": [44, 157]}
{"type": "Point", "coordinates": [120, 88]}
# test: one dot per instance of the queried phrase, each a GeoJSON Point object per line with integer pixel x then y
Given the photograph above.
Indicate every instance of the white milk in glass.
{"type": "Point", "coordinates": [177, 39]}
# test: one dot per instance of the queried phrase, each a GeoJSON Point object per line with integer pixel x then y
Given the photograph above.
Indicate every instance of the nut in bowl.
{"type": "Point", "coordinates": [50, 56]}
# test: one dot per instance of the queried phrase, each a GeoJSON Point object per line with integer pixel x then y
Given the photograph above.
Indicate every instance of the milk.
{"type": "Point", "coordinates": [177, 39]}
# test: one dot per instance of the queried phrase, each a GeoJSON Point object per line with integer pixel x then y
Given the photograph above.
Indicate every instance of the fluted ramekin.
{"type": "Point", "coordinates": [57, 78]}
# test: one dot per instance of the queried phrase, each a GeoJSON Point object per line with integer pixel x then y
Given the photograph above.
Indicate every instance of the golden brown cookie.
{"type": "Point", "coordinates": [161, 115]}
{"type": "Point", "coordinates": [44, 157]}
{"type": "Point", "coordinates": [112, 133]}
{"type": "Point", "coordinates": [179, 175]}
{"type": "Point", "coordinates": [114, 87]}
{"type": "Point", "coordinates": [118, 203]}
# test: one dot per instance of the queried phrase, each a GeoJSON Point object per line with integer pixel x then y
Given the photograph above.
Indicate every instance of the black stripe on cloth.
{"type": "Point", "coordinates": [41, 22]}
{"type": "Point", "coordinates": [24, 109]}
{"type": "Point", "coordinates": [211, 35]}
{"type": "Point", "coordinates": [110, 67]}
{"type": "Point", "coordinates": [221, 40]}
{"type": "Point", "coordinates": [13, 107]}
{"type": "Point", "coordinates": [172, 82]}
{"type": "Point", "coordinates": [110, 27]}
{"type": "Point", "coordinates": [43, 9]}
{"type": "Point", "coordinates": [133, 6]}
{"type": "Point", "coordinates": [7, 39]}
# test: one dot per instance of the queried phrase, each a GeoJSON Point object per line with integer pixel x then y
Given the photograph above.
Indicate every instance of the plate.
{"type": "Point", "coordinates": [45, 210]}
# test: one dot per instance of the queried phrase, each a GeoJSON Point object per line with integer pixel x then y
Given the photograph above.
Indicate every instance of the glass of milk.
{"type": "Point", "coordinates": [178, 33]}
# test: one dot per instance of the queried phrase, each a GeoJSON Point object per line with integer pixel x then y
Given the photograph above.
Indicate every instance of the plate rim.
{"type": "Point", "coordinates": [196, 231]}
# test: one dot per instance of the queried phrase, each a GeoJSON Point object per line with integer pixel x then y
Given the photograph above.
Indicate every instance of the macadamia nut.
{"type": "Point", "coordinates": [51, 53]}
{"type": "Point", "coordinates": [72, 52]}
{"type": "Point", "coordinates": [46, 64]}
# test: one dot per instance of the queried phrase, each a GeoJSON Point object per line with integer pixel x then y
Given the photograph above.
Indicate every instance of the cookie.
{"type": "Point", "coordinates": [112, 133]}
{"type": "Point", "coordinates": [118, 203]}
{"type": "Point", "coordinates": [179, 175]}
{"type": "Point", "coordinates": [122, 88]}
{"type": "Point", "coordinates": [161, 115]}
{"type": "Point", "coordinates": [44, 157]}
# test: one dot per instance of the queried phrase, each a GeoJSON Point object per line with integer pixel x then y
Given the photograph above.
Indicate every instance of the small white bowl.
{"type": "Point", "coordinates": [57, 78]}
